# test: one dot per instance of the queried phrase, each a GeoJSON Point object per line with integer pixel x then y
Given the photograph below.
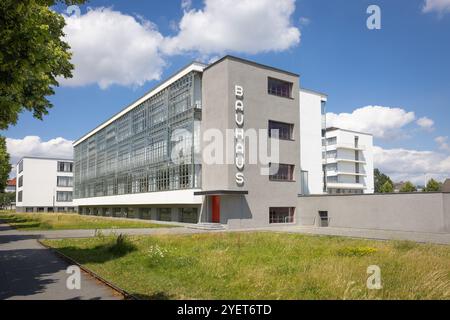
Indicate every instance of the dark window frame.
{"type": "Point", "coordinates": [289, 137]}
{"type": "Point", "coordinates": [69, 199]}
{"type": "Point", "coordinates": [63, 163]}
{"type": "Point", "coordinates": [276, 216]}
{"type": "Point", "coordinates": [279, 177]}
{"type": "Point", "coordinates": [278, 90]}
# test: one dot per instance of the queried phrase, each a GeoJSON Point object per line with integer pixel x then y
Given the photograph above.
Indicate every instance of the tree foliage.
{"type": "Point", "coordinates": [380, 179]}
{"type": "Point", "coordinates": [433, 186]}
{"type": "Point", "coordinates": [408, 187]}
{"type": "Point", "coordinates": [32, 56]}
{"type": "Point", "coordinates": [5, 166]}
{"type": "Point", "coordinates": [6, 199]}
{"type": "Point", "coordinates": [387, 187]}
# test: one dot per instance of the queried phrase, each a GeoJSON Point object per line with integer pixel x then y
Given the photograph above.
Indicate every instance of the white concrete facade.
{"type": "Point", "coordinates": [42, 186]}
{"type": "Point", "coordinates": [312, 125]}
{"type": "Point", "coordinates": [348, 159]}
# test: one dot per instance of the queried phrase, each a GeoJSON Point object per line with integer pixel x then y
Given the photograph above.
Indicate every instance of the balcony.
{"type": "Point", "coordinates": [341, 185]}
{"type": "Point", "coordinates": [337, 160]}
{"type": "Point", "coordinates": [344, 173]}
{"type": "Point", "coordinates": [348, 146]}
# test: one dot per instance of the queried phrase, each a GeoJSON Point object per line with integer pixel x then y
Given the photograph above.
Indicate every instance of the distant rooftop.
{"type": "Point", "coordinates": [11, 182]}
{"type": "Point", "coordinates": [347, 130]}
{"type": "Point", "coordinates": [45, 158]}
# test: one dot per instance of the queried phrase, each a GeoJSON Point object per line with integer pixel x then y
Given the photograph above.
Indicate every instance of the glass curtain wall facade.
{"type": "Point", "coordinates": [148, 149]}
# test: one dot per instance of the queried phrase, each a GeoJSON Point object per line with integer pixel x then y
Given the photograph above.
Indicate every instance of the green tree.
{"type": "Point", "coordinates": [408, 187]}
{"type": "Point", "coordinates": [433, 186]}
{"type": "Point", "coordinates": [387, 187]}
{"type": "Point", "coordinates": [6, 199]}
{"type": "Point", "coordinates": [32, 55]}
{"type": "Point", "coordinates": [5, 167]}
{"type": "Point", "coordinates": [380, 179]}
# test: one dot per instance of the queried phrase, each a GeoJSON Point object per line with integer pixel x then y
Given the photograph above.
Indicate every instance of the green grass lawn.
{"type": "Point", "coordinates": [263, 266]}
{"type": "Point", "coordinates": [64, 221]}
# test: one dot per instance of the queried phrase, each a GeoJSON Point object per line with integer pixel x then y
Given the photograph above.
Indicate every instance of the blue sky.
{"type": "Point", "coordinates": [403, 68]}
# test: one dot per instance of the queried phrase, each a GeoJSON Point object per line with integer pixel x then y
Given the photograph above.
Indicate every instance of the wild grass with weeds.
{"type": "Point", "coordinates": [265, 266]}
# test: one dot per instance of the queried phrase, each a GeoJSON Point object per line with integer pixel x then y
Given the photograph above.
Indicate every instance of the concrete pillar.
{"type": "Point", "coordinates": [175, 214]}
{"type": "Point", "coordinates": [154, 213]}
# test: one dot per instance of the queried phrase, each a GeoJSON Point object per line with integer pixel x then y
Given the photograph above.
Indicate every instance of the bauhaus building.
{"type": "Point", "coordinates": [185, 151]}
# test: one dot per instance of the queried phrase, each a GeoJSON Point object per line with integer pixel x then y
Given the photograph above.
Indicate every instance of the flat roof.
{"type": "Point", "coordinates": [347, 130]}
{"type": "Point", "coordinates": [44, 158]}
{"type": "Point", "coordinates": [253, 63]}
{"type": "Point", "coordinates": [323, 95]}
{"type": "Point", "coordinates": [220, 192]}
{"type": "Point", "coordinates": [367, 194]}
{"type": "Point", "coordinates": [193, 66]}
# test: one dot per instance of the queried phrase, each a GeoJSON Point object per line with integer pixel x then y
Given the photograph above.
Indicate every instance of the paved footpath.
{"type": "Point", "coordinates": [30, 271]}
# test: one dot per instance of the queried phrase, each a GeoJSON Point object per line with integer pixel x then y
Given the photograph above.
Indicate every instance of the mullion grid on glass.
{"type": "Point", "coordinates": [131, 155]}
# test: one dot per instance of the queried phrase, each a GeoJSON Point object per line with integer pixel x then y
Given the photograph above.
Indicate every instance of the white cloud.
{"type": "Point", "coordinates": [112, 48]}
{"type": "Point", "coordinates": [186, 4]}
{"type": "Point", "coordinates": [33, 146]}
{"type": "Point", "coordinates": [416, 166]}
{"type": "Point", "coordinates": [244, 26]}
{"type": "Point", "coordinates": [425, 123]}
{"type": "Point", "coordinates": [304, 21]}
{"type": "Point", "coordinates": [443, 143]}
{"type": "Point", "coordinates": [439, 6]}
{"type": "Point", "coordinates": [382, 122]}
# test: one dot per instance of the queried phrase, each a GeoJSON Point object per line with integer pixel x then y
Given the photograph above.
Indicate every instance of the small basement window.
{"type": "Point", "coordinates": [324, 220]}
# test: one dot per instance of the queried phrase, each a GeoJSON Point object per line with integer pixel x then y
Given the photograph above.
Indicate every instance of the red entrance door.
{"type": "Point", "coordinates": [215, 209]}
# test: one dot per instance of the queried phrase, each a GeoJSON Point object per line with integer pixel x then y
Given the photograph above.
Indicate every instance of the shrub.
{"type": "Point", "coordinates": [356, 251]}
{"type": "Point", "coordinates": [121, 245]}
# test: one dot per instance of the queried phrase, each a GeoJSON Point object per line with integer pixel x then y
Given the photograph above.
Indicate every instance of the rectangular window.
{"type": "Point", "coordinates": [20, 196]}
{"type": "Point", "coordinates": [285, 172]}
{"type": "Point", "coordinates": [20, 181]}
{"type": "Point", "coordinates": [333, 179]}
{"type": "Point", "coordinates": [165, 214]}
{"type": "Point", "coordinates": [20, 166]}
{"type": "Point", "coordinates": [332, 167]}
{"type": "Point", "coordinates": [331, 141]}
{"type": "Point", "coordinates": [281, 215]}
{"type": "Point", "coordinates": [279, 88]}
{"type": "Point", "coordinates": [65, 166]}
{"type": "Point", "coordinates": [331, 154]}
{"type": "Point", "coordinates": [64, 181]}
{"type": "Point", "coordinates": [285, 130]}
{"type": "Point", "coordinates": [304, 182]}
{"type": "Point", "coordinates": [323, 109]}
{"type": "Point", "coordinates": [324, 221]}
{"type": "Point", "coordinates": [63, 196]}
{"type": "Point", "coordinates": [189, 215]}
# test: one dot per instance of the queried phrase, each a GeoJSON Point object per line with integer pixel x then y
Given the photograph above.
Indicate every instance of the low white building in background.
{"type": "Point", "coordinates": [44, 185]}
{"type": "Point", "coordinates": [348, 161]}
{"type": "Point", "coordinates": [10, 186]}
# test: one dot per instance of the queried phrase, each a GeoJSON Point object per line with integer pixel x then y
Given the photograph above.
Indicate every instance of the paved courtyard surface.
{"type": "Point", "coordinates": [62, 234]}
{"type": "Point", "coordinates": [30, 271]}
